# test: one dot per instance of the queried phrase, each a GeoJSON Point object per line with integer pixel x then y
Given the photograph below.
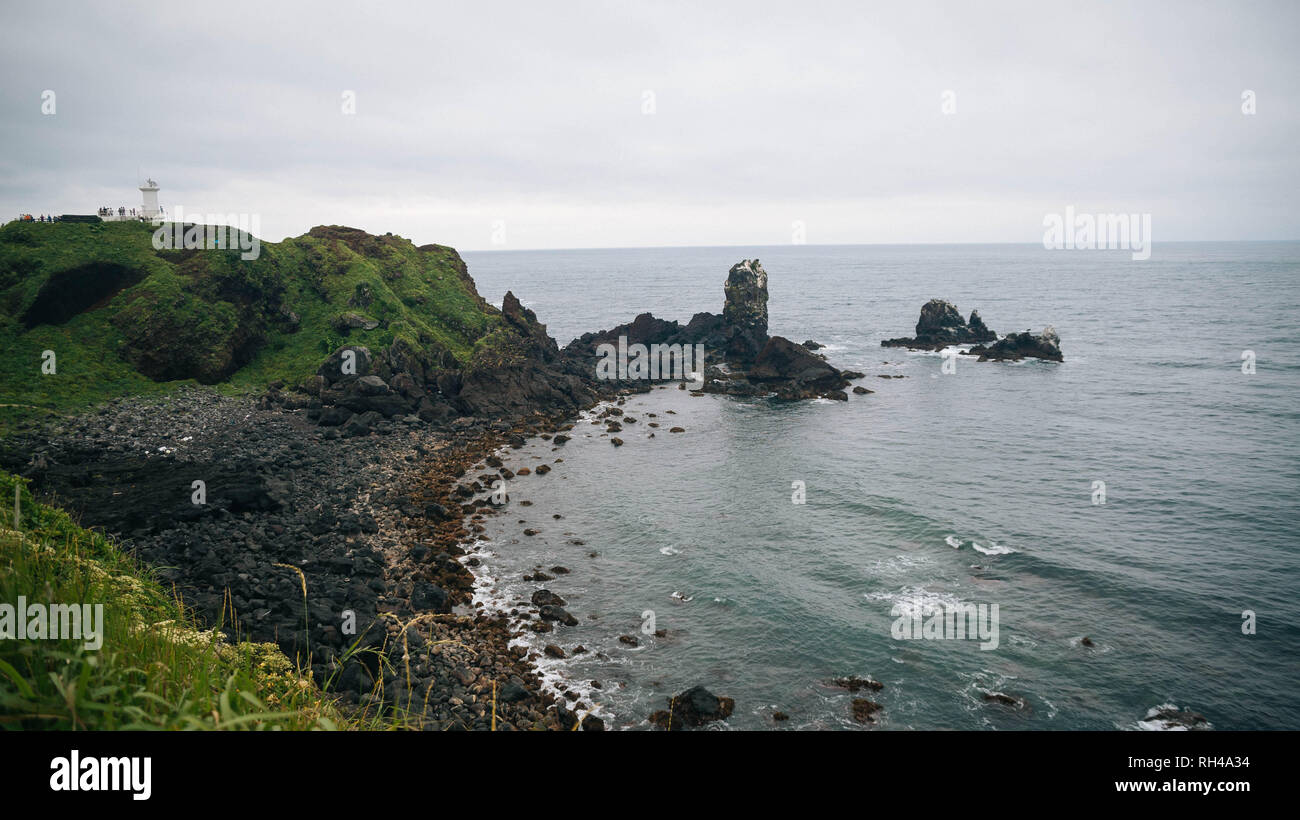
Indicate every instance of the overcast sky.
{"type": "Point", "coordinates": [529, 119]}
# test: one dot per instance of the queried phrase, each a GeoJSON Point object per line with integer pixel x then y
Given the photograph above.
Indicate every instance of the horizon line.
{"type": "Point", "coordinates": [832, 245]}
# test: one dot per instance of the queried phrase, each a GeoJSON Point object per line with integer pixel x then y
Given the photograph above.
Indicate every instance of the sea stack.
{"type": "Point", "coordinates": [744, 313]}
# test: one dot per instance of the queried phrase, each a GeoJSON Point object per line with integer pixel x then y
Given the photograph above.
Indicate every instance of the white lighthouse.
{"type": "Point", "coordinates": [150, 192]}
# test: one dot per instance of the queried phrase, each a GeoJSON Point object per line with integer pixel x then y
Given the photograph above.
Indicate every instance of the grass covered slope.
{"type": "Point", "coordinates": [123, 318]}
{"type": "Point", "coordinates": [154, 669]}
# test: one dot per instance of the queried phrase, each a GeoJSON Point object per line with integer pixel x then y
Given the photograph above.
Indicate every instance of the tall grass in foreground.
{"type": "Point", "coordinates": [155, 669]}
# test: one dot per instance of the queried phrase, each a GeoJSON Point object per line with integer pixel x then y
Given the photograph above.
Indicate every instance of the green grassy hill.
{"type": "Point", "coordinates": [123, 318]}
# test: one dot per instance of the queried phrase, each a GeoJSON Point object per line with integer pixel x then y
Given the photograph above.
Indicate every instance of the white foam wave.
{"type": "Point", "coordinates": [1154, 722]}
{"type": "Point", "coordinates": [994, 549]}
{"type": "Point", "coordinates": [909, 599]}
{"type": "Point", "coordinates": [496, 596]}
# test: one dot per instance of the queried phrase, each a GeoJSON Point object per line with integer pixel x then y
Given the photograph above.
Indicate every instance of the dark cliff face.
{"type": "Point", "coordinates": [519, 370]}
{"type": "Point", "coordinates": [705, 329]}
{"type": "Point", "coordinates": [524, 372]}
{"type": "Point", "coordinates": [525, 321]}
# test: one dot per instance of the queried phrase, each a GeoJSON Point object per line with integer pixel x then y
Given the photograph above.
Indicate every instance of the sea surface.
{"type": "Point", "coordinates": [976, 487]}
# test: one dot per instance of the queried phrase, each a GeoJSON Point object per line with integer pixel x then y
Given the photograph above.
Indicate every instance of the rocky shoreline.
{"type": "Point", "coordinates": [354, 554]}
{"type": "Point", "coordinates": [381, 607]}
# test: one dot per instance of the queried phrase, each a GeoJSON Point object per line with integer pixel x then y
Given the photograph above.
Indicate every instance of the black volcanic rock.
{"type": "Point", "coordinates": [1017, 346]}
{"type": "Point", "coordinates": [371, 393]}
{"type": "Point", "coordinates": [526, 322]}
{"type": "Point", "coordinates": [429, 597]}
{"type": "Point", "coordinates": [691, 709]}
{"type": "Point", "coordinates": [544, 597]}
{"type": "Point", "coordinates": [939, 318]}
{"type": "Point", "coordinates": [979, 332]}
{"type": "Point", "coordinates": [580, 356]}
{"type": "Point", "coordinates": [513, 692]}
{"type": "Point", "coordinates": [741, 359]}
{"type": "Point", "coordinates": [800, 373]}
{"type": "Point", "coordinates": [520, 372]}
{"type": "Point", "coordinates": [707, 329]}
{"type": "Point", "coordinates": [1173, 718]}
{"type": "Point", "coordinates": [520, 375]}
{"type": "Point", "coordinates": [361, 423]}
{"type": "Point", "coordinates": [645, 329]}
{"type": "Point", "coordinates": [941, 325]}
{"type": "Point", "coordinates": [864, 711]}
{"type": "Point", "coordinates": [551, 612]}
{"type": "Point", "coordinates": [744, 313]}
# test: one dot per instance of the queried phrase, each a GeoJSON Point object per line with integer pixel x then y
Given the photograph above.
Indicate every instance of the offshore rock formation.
{"type": "Point", "coordinates": [1017, 346]}
{"type": "Point", "coordinates": [941, 325]}
{"type": "Point", "coordinates": [741, 359]}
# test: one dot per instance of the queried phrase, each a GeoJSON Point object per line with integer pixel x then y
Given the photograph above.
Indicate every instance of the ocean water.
{"type": "Point", "coordinates": [1201, 465]}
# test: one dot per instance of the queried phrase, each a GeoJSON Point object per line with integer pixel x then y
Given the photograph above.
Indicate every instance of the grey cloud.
{"type": "Point", "coordinates": [765, 113]}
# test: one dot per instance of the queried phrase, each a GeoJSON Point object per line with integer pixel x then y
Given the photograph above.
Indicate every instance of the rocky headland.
{"type": "Point", "coordinates": [330, 497]}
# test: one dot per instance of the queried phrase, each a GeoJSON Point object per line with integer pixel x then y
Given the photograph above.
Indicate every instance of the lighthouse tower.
{"type": "Point", "coordinates": [150, 192]}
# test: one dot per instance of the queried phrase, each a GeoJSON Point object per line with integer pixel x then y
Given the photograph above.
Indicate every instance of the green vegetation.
{"type": "Point", "coordinates": [156, 668]}
{"type": "Point", "coordinates": [125, 319]}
